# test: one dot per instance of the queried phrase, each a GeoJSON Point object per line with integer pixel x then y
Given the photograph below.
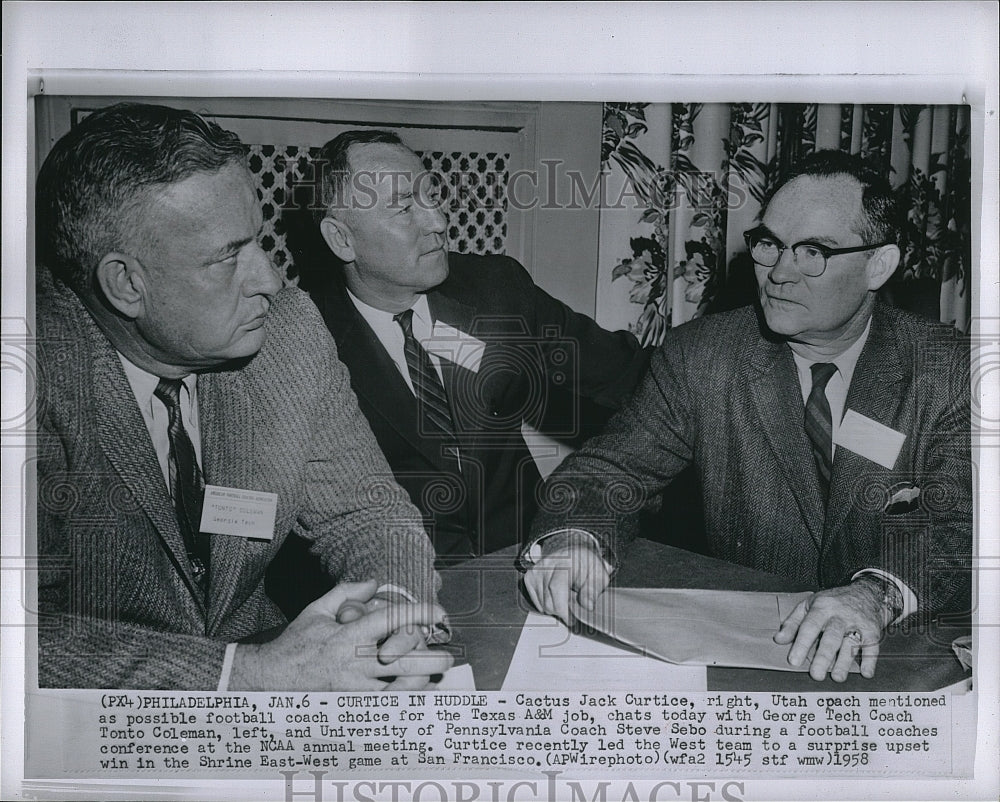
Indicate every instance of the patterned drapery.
{"type": "Point", "coordinates": [690, 178]}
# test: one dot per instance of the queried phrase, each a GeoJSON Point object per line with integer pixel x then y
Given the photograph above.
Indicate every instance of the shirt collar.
{"type": "Point", "coordinates": [421, 310]}
{"type": "Point", "coordinates": [846, 361]}
{"type": "Point", "coordinates": [143, 383]}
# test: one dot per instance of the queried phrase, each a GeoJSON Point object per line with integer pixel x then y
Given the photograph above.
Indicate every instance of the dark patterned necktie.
{"type": "Point", "coordinates": [186, 484]}
{"type": "Point", "coordinates": [426, 385]}
{"type": "Point", "coordinates": [819, 424]}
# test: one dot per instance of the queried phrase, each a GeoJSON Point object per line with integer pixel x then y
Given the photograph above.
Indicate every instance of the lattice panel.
{"type": "Point", "coordinates": [276, 171]}
{"type": "Point", "coordinates": [474, 187]}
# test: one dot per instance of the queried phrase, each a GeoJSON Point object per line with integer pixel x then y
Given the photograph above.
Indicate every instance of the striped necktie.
{"type": "Point", "coordinates": [186, 484]}
{"type": "Point", "coordinates": [819, 424]}
{"type": "Point", "coordinates": [427, 386]}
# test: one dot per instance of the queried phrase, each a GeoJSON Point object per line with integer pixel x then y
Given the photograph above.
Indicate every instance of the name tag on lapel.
{"type": "Point", "coordinates": [456, 346]}
{"type": "Point", "coordinates": [870, 439]}
{"type": "Point", "coordinates": [247, 513]}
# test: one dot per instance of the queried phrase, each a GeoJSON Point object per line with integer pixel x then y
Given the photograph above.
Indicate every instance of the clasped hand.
{"type": "Point", "coordinates": [374, 645]}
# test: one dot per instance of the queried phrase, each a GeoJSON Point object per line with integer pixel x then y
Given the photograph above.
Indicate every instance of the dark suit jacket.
{"type": "Point", "coordinates": [538, 354]}
{"type": "Point", "coordinates": [722, 396]}
{"type": "Point", "coordinates": [118, 604]}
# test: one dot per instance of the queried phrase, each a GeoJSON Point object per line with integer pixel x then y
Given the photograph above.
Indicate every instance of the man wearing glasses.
{"type": "Point", "coordinates": [829, 431]}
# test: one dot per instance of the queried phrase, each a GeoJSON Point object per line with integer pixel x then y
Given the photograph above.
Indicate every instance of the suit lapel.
{"type": "Point", "coordinates": [774, 390]}
{"type": "Point", "coordinates": [875, 392]}
{"type": "Point", "coordinates": [450, 311]}
{"type": "Point", "coordinates": [228, 459]}
{"type": "Point", "coordinates": [374, 376]}
{"type": "Point", "coordinates": [459, 316]}
{"type": "Point", "coordinates": [125, 441]}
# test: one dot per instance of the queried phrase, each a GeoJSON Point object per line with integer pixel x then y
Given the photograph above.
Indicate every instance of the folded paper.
{"type": "Point", "coordinates": [548, 656]}
{"type": "Point", "coordinates": [699, 627]}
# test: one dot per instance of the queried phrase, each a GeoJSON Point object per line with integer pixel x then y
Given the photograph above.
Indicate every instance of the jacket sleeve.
{"type": "Point", "coordinates": [601, 488]}
{"type": "Point", "coordinates": [361, 522]}
{"type": "Point", "coordinates": [80, 652]}
{"type": "Point", "coordinates": [947, 580]}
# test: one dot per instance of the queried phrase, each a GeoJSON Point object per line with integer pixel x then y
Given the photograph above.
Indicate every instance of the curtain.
{"type": "Point", "coordinates": [684, 180]}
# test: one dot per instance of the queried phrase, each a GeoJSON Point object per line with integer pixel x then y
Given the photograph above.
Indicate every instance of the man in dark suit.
{"type": "Point", "coordinates": [191, 414]}
{"type": "Point", "coordinates": [829, 432]}
{"type": "Point", "coordinates": [450, 353]}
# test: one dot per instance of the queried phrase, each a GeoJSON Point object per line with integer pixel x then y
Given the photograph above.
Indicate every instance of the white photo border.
{"type": "Point", "coordinates": [709, 52]}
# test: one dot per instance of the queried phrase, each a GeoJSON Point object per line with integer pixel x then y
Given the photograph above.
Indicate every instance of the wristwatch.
{"type": "Point", "coordinates": [892, 599]}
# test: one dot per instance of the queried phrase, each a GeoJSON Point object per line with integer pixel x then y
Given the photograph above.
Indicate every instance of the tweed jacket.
{"type": "Point", "coordinates": [723, 395]}
{"type": "Point", "coordinates": [118, 604]}
{"type": "Point", "coordinates": [539, 356]}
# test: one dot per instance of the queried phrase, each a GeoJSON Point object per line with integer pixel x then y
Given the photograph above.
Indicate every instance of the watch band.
{"type": "Point", "coordinates": [892, 599]}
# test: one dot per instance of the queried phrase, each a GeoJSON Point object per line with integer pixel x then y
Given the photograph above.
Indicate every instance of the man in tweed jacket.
{"type": "Point", "coordinates": [882, 523]}
{"type": "Point", "coordinates": [150, 271]}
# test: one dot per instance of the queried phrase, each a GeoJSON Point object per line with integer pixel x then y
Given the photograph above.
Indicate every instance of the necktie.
{"type": "Point", "coordinates": [186, 484]}
{"type": "Point", "coordinates": [819, 424]}
{"type": "Point", "coordinates": [427, 386]}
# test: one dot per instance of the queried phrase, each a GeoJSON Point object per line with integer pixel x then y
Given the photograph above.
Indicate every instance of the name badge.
{"type": "Point", "coordinates": [456, 346]}
{"type": "Point", "coordinates": [870, 439]}
{"type": "Point", "coordinates": [247, 513]}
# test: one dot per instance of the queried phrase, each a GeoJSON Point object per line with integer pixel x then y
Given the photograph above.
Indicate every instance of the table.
{"type": "Point", "coordinates": [487, 607]}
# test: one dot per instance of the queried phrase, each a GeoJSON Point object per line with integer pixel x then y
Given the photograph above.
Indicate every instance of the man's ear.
{"type": "Point", "coordinates": [881, 265]}
{"type": "Point", "coordinates": [339, 238]}
{"type": "Point", "coordinates": [119, 278]}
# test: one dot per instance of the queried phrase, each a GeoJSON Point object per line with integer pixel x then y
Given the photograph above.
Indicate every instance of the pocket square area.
{"type": "Point", "coordinates": [903, 498]}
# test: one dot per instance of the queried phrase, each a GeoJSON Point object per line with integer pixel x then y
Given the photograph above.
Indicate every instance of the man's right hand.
{"type": "Point", "coordinates": [382, 649]}
{"type": "Point", "coordinates": [571, 571]}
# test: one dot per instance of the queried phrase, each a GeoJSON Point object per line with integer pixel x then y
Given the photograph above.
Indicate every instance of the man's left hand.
{"type": "Point", "coordinates": [845, 621]}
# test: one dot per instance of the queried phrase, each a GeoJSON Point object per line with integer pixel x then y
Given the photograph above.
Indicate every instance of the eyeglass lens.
{"type": "Point", "coordinates": [808, 259]}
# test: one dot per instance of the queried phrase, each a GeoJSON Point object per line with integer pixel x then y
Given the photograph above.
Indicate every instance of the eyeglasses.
{"type": "Point", "coordinates": [810, 257]}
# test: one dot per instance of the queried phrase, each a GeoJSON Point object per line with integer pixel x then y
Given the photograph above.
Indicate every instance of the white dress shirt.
{"type": "Point", "coordinates": [154, 412]}
{"type": "Point", "coordinates": [389, 333]}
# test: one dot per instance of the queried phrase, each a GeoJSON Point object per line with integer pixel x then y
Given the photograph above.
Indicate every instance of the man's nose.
{"type": "Point", "coordinates": [434, 219]}
{"type": "Point", "coordinates": [262, 276]}
{"type": "Point", "coordinates": [784, 270]}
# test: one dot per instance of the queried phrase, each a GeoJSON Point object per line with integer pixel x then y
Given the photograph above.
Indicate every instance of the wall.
{"type": "Point", "coordinates": [566, 239]}
{"type": "Point", "coordinates": [558, 245]}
